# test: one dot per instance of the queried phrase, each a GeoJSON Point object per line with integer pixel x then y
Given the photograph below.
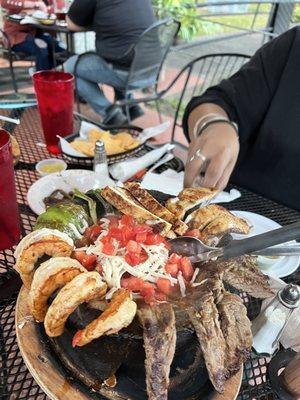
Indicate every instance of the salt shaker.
{"type": "Point", "coordinates": [100, 159]}
{"type": "Point", "coordinates": [269, 325]}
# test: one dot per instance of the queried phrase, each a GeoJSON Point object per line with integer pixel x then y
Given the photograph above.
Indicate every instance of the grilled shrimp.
{"type": "Point", "coordinates": [50, 276]}
{"type": "Point", "coordinates": [38, 243]}
{"type": "Point", "coordinates": [118, 315]}
{"type": "Point", "coordinates": [81, 289]}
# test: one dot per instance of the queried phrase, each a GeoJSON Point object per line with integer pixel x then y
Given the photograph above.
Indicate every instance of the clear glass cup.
{"type": "Point", "coordinates": [9, 213]}
{"type": "Point", "coordinates": [55, 95]}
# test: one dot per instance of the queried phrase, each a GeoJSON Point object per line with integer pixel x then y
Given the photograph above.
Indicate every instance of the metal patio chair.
{"type": "Point", "coordinates": [12, 56]}
{"type": "Point", "coordinates": [197, 76]}
{"type": "Point", "coordinates": [148, 55]}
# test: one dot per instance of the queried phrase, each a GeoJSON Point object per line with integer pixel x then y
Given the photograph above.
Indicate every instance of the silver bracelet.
{"type": "Point", "coordinates": [218, 121]}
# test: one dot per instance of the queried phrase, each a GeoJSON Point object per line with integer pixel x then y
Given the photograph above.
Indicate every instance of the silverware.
{"type": "Point", "coordinates": [7, 119]}
{"type": "Point", "coordinates": [167, 157]}
{"type": "Point", "coordinates": [197, 251]}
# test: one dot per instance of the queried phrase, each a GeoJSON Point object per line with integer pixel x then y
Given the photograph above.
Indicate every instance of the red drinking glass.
{"type": "Point", "coordinates": [9, 214]}
{"type": "Point", "coordinates": [55, 95]}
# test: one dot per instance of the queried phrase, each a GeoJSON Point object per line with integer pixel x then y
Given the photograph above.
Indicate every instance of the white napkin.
{"type": "Point", "coordinates": [126, 169]}
{"type": "Point", "coordinates": [171, 182]}
{"type": "Point", "coordinates": [28, 20]}
{"type": "Point", "coordinates": [85, 127]}
{"type": "Point", "coordinates": [164, 182]}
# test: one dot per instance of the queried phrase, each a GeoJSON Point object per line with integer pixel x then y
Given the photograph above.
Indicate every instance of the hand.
{"type": "Point", "coordinates": [220, 145]}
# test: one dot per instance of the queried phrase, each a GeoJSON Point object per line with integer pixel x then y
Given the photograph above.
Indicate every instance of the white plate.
{"type": "Point", "coordinates": [66, 180]}
{"type": "Point", "coordinates": [282, 266]}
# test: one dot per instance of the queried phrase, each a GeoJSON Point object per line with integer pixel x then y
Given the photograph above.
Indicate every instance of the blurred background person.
{"type": "Point", "coordinates": [117, 24]}
{"type": "Point", "coordinates": [25, 38]}
{"type": "Point", "coordinates": [246, 129]}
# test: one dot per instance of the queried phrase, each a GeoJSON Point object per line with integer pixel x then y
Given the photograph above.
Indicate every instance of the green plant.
{"type": "Point", "coordinates": [184, 11]}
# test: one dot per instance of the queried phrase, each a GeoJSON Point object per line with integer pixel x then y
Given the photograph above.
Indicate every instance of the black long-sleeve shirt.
{"type": "Point", "coordinates": [264, 99]}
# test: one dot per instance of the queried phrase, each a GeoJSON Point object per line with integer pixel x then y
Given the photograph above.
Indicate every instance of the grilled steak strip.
{"type": "Point", "coordinates": [242, 273]}
{"type": "Point", "coordinates": [159, 334]}
{"type": "Point", "coordinates": [236, 329]}
{"type": "Point", "coordinates": [205, 318]}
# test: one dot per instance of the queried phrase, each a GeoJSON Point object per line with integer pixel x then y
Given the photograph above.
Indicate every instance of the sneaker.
{"type": "Point", "coordinates": [114, 117]}
{"type": "Point", "coordinates": [135, 111]}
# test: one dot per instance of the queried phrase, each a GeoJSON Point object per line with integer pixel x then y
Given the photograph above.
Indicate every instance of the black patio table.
{"type": "Point", "coordinates": [15, 380]}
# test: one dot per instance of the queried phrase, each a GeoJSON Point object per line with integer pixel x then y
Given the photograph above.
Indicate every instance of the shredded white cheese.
{"type": "Point", "coordinates": [196, 272]}
{"type": "Point", "coordinates": [181, 284]}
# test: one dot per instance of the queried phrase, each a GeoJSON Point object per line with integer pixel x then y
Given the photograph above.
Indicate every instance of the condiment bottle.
{"type": "Point", "coordinates": [269, 325]}
{"type": "Point", "coordinates": [100, 159]}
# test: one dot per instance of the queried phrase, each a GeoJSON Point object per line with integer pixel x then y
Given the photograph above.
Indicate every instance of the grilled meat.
{"type": "Point", "coordinates": [214, 221]}
{"type": "Point", "coordinates": [123, 203]}
{"type": "Point", "coordinates": [242, 273]}
{"type": "Point", "coordinates": [151, 204]}
{"type": "Point", "coordinates": [188, 199]}
{"type": "Point", "coordinates": [204, 316]}
{"type": "Point", "coordinates": [159, 341]}
{"type": "Point", "coordinates": [236, 329]}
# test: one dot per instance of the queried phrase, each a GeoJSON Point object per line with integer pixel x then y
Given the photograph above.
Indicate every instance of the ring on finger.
{"type": "Point", "coordinates": [198, 154]}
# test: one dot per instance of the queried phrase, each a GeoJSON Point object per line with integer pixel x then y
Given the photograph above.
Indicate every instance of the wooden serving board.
{"type": "Point", "coordinates": [50, 375]}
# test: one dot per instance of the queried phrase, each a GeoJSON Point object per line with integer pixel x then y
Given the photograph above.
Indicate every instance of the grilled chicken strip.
{"type": "Point", "coordinates": [126, 205]}
{"type": "Point", "coordinates": [151, 204]}
{"type": "Point", "coordinates": [188, 199]}
{"type": "Point", "coordinates": [236, 329]}
{"type": "Point", "coordinates": [204, 316]}
{"type": "Point", "coordinates": [159, 341]}
{"type": "Point", "coordinates": [242, 273]}
{"type": "Point", "coordinates": [216, 220]}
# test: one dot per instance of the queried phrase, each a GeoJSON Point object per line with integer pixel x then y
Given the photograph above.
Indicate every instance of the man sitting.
{"type": "Point", "coordinates": [118, 24]}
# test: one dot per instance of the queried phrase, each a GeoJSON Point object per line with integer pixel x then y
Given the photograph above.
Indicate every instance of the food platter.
{"type": "Point", "coordinates": [59, 383]}
{"type": "Point", "coordinates": [123, 313]}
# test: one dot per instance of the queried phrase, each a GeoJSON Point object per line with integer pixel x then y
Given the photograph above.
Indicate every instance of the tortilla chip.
{"type": "Point", "coordinates": [113, 146]}
{"type": "Point", "coordinates": [96, 134]}
{"type": "Point", "coordinates": [84, 147]}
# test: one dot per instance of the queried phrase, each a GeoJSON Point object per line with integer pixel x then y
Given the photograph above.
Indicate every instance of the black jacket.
{"type": "Point", "coordinates": [264, 99]}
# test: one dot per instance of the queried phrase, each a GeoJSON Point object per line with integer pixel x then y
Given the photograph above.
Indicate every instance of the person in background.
{"type": "Point", "coordinates": [26, 39]}
{"type": "Point", "coordinates": [247, 127]}
{"type": "Point", "coordinates": [118, 24]}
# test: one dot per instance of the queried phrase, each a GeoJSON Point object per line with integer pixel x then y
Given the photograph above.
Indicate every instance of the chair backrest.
{"type": "Point", "coordinates": [149, 53]}
{"type": "Point", "coordinates": [4, 41]}
{"type": "Point", "coordinates": [202, 73]}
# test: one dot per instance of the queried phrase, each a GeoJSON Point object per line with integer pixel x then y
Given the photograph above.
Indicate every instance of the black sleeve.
{"type": "Point", "coordinates": [82, 12]}
{"type": "Point", "coordinates": [247, 94]}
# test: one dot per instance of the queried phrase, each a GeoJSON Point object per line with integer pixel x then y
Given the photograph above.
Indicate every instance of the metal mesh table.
{"type": "Point", "coordinates": [15, 380]}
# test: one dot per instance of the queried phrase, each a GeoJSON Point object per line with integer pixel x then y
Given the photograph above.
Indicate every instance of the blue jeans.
{"type": "Point", "coordinates": [40, 48]}
{"type": "Point", "coordinates": [91, 71]}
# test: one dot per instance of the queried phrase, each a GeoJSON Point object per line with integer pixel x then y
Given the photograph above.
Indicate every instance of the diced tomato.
{"type": "Point", "coordinates": [148, 289]}
{"type": "Point", "coordinates": [87, 260]}
{"type": "Point", "coordinates": [151, 300]}
{"type": "Point", "coordinates": [142, 228]}
{"type": "Point", "coordinates": [133, 247]}
{"type": "Point", "coordinates": [160, 296]}
{"type": "Point", "coordinates": [116, 233]}
{"type": "Point", "coordinates": [141, 237]}
{"type": "Point", "coordinates": [132, 283]}
{"type": "Point", "coordinates": [105, 239]}
{"type": "Point", "coordinates": [172, 269]}
{"type": "Point", "coordinates": [108, 249]}
{"type": "Point", "coordinates": [127, 233]}
{"type": "Point", "coordinates": [153, 239]}
{"type": "Point", "coordinates": [143, 256]}
{"type": "Point", "coordinates": [127, 220]}
{"type": "Point", "coordinates": [186, 268]}
{"type": "Point", "coordinates": [174, 258]}
{"type": "Point", "coordinates": [193, 233]}
{"type": "Point", "coordinates": [99, 268]}
{"type": "Point", "coordinates": [163, 285]}
{"type": "Point", "coordinates": [95, 231]}
{"type": "Point", "coordinates": [132, 259]}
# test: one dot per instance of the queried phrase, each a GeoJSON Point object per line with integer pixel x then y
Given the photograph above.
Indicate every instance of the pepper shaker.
{"type": "Point", "coordinates": [100, 159]}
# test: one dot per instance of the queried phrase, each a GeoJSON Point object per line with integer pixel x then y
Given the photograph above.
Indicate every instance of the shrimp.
{"type": "Point", "coordinates": [83, 288]}
{"type": "Point", "coordinates": [50, 276]}
{"type": "Point", "coordinates": [118, 315]}
{"type": "Point", "coordinates": [38, 243]}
